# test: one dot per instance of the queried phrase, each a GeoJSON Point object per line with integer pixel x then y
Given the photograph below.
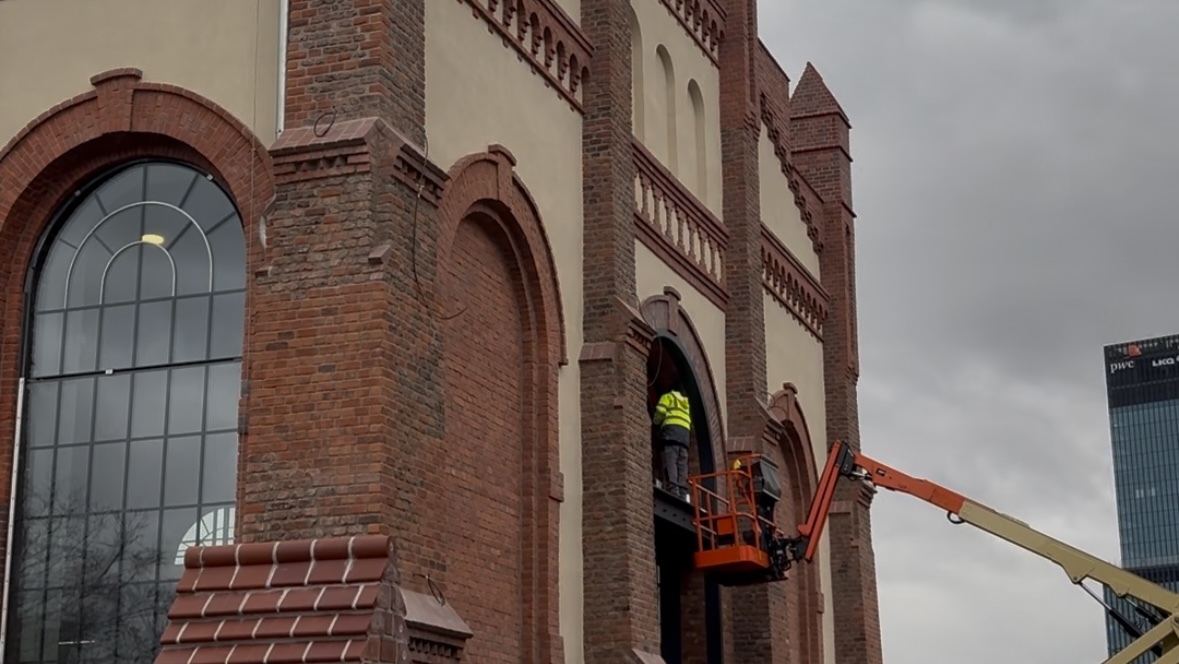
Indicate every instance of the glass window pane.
{"type": "Point", "coordinates": [208, 204]}
{"type": "Point", "coordinates": [118, 334]}
{"type": "Point", "coordinates": [156, 279]}
{"type": "Point", "coordinates": [164, 220]}
{"type": "Point", "coordinates": [148, 406]}
{"type": "Point", "coordinates": [42, 413]}
{"type": "Point", "coordinates": [229, 255]}
{"type": "Point", "coordinates": [169, 183]}
{"type": "Point", "coordinates": [216, 526]}
{"type": "Point", "coordinates": [146, 465]}
{"type": "Point", "coordinates": [137, 636]}
{"type": "Point", "coordinates": [32, 569]}
{"type": "Point", "coordinates": [66, 536]}
{"type": "Point", "coordinates": [38, 481]}
{"type": "Point", "coordinates": [86, 272]}
{"type": "Point", "coordinates": [122, 189]}
{"type": "Point", "coordinates": [179, 525]}
{"type": "Point", "coordinates": [186, 410]}
{"type": "Point", "coordinates": [77, 410]}
{"type": "Point", "coordinates": [194, 263]}
{"type": "Point", "coordinates": [29, 609]}
{"type": "Point", "coordinates": [106, 482]}
{"type": "Point", "coordinates": [122, 276]}
{"type": "Point", "coordinates": [142, 554]}
{"type": "Point", "coordinates": [52, 277]}
{"type": "Point", "coordinates": [47, 344]}
{"type": "Point", "coordinates": [224, 391]}
{"type": "Point", "coordinates": [71, 480]}
{"type": "Point", "coordinates": [228, 325]}
{"type": "Point", "coordinates": [154, 339]}
{"type": "Point", "coordinates": [82, 220]}
{"type": "Point", "coordinates": [220, 470]}
{"type": "Point", "coordinates": [81, 341]}
{"type": "Point", "coordinates": [182, 471]}
{"type": "Point", "coordinates": [192, 329]}
{"type": "Point", "coordinates": [114, 407]}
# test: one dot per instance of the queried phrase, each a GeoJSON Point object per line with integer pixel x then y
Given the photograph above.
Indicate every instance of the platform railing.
{"type": "Point", "coordinates": [716, 517]}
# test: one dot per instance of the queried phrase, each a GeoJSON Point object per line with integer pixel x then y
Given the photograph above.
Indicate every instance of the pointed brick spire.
{"type": "Point", "coordinates": [811, 96]}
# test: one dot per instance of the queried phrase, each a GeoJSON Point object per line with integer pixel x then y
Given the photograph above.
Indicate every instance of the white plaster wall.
{"type": "Point", "coordinates": [778, 209]}
{"type": "Point", "coordinates": [651, 276]}
{"type": "Point", "coordinates": [659, 28]}
{"type": "Point", "coordinates": [478, 94]}
{"type": "Point", "coordinates": [794, 356]}
{"type": "Point", "coordinates": [225, 50]}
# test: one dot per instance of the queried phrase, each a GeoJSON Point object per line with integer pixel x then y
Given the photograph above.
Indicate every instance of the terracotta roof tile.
{"type": "Point", "coordinates": [328, 600]}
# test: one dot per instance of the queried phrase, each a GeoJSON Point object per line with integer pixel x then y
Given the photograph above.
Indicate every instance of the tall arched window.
{"type": "Point", "coordinates": [129, 441]}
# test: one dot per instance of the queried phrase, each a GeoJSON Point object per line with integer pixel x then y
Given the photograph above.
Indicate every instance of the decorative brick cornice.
{"type": "Point", "coordinates": [436, 631]}
{"type": "Point", "coordinates": [792, 285]}
{"type": "Point", "coordinates": [542, 33]}
{"type": "Point", "coordinates": [636, 331]}
{"type": "Point", "coordinates": [793, 177]}
{"type": "Point", "coordinates": [703, 20]}
{"type": "Point", "coordinates": [342, 148]}
{"type": "Point", "coordinates": [678, 228]}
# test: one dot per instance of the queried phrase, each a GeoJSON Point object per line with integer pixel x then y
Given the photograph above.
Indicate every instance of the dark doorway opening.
{"type": "Point", "coordinates": [689, 600]}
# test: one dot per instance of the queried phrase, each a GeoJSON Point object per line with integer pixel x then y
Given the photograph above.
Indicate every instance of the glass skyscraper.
{"type": "Point", "coordinates": [1142, 388]}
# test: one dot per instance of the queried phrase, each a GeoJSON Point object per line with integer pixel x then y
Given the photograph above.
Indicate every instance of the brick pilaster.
{"type": "Point", "coordinates": [620, 602]}
{"type": "Point", "coordinates": [757, 629]}
{"type": "Point", "coordinates": [356, 59]}
{"type": "Point", "coordinates": [821, 152]}
{"type": "Point", "coordinates": [345, 396]}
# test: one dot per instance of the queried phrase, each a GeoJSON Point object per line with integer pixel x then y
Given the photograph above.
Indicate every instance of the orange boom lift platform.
{"type": "Point", "coordinates": [738, 542]}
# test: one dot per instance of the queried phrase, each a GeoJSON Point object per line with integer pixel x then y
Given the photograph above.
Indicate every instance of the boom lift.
{"type": "Point", "coordinates": [738, 541]}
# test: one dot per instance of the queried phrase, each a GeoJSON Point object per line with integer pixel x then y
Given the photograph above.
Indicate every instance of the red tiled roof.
{"type": "Point", "coordinates": [327, 600]}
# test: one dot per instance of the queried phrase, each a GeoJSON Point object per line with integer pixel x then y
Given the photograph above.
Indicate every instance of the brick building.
{"type": "Point", "coordinates": [371, 299]}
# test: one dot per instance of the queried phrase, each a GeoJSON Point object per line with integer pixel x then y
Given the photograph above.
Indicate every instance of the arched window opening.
{"type": "Point", "coordinates": [669, 107]}
{"type": "Point", "coordinates": [639, 95]}
{"type": "Point", "coordinates": [129, 442]}
{"type": "Point", "coordinates": [701, 151]}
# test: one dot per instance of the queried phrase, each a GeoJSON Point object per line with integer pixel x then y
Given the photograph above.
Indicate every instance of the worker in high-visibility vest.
{"type": "Point", "coordinates": [673, 416]}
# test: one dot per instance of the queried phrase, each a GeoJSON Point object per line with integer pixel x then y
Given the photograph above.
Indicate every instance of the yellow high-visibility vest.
{"type": "Point", "coordinates": [673, 410]}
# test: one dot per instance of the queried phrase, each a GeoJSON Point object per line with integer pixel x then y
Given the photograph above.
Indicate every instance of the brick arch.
{"type": "Point", "coordinates": [789, 429]}
{"type": "Point", "coordinates": [121, 119]}
{"type": "Point", "coordinates": [664, 313]}
{"type": "Point", "coordinates": [487, 213]}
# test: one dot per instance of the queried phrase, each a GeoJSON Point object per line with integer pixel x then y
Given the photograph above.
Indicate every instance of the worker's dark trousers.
{"type": "Point", "coordinates": [675, 459]}
{"type": "Point", "coordinates": [675, 466]}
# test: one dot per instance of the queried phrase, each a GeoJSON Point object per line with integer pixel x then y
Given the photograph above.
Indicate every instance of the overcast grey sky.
{"type": "Point", "coordinates": [1014, 167]}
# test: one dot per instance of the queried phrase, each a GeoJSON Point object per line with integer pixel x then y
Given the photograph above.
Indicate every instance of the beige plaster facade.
{"type": "Point", "coordinates": [779, 210]}
{"type": "Point", "coordinates": [225, 50]}
{"type": "Point", "coordinates": [479, 93]}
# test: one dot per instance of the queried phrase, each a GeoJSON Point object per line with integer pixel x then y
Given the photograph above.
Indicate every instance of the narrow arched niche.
{"type": "Point", "coordinates": [700, 137]}
{"type": "Point", "coordinates": [638, 87]}
{"type": "Point", "coordinates": [502, 344]}
{"type": "Point", "coordinates": [799, 471]}
{"type": "Point", "coordinates": [671, 153]}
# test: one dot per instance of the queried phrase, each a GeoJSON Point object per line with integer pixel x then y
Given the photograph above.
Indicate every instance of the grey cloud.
{"type": "Point", "coordinates": [1013, 176]}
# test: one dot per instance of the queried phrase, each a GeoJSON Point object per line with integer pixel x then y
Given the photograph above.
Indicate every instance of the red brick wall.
{"type": "Point", "coordinates": [484, 360]}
